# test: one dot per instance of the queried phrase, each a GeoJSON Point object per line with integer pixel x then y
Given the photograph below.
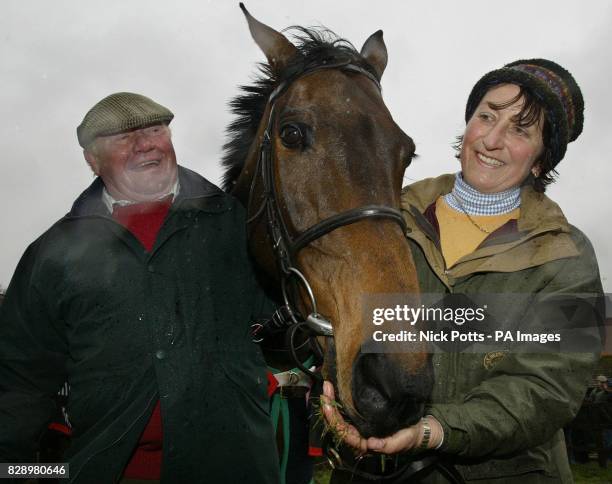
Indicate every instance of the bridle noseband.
{"type": "Point", "coordinates": [286, 246]}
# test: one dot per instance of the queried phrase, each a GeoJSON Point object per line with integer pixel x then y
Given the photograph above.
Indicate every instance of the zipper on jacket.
{"type": "Point", "coordinates": [439, 275]}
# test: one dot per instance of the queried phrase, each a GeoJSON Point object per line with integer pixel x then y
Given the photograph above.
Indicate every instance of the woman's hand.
{"type": "Point", "coordinates": [402, 441]}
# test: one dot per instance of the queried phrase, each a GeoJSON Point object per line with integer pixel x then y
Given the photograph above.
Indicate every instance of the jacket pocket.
{"type": "Point", "coordinates": [248, 379]}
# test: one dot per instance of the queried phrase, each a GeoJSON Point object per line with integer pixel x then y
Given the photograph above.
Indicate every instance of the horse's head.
{"type": "Point", "coordinates": [318, 159]}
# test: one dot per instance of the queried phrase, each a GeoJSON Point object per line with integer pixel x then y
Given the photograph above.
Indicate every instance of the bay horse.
{"type": "Point", "coordinates": [317, 160]}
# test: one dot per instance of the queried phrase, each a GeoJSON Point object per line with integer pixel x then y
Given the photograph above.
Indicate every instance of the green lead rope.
{"type": "Point", "coordinates": [280, 409]}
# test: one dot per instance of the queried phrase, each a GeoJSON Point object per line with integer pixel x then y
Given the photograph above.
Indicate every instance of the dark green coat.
{"type": "Point", "coordinates": [502, 412]}
{"type": "Point", "coordinates": [124, 327]}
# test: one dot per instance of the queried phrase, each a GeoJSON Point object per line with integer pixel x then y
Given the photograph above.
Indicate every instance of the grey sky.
{"type": "Point", "coordinates": [61, 57]}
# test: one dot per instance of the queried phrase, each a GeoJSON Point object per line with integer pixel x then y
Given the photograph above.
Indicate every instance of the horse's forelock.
{"type": "Point", "coordinates": [316, 46]}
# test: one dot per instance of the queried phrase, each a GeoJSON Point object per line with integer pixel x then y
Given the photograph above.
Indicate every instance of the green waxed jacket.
{"type": "Point", "coordinates": [125, 328]}
{"type": "Point", "coordinates": [503, 412]}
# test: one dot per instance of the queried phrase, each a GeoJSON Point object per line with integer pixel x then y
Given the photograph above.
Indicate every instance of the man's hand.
{"type": "Point", "coordinates": [402, 441]}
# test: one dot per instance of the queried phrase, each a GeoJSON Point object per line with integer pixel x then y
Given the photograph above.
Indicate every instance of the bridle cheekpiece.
{"type": "Point", "coordinates": [287, 246]}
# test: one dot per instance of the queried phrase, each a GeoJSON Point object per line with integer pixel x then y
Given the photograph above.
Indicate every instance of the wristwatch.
{"type": "Point", "coordinates": [426, 434]}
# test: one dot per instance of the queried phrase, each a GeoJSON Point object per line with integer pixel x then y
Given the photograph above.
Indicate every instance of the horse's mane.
{"type": "Point", "coordinates": [316, 46]}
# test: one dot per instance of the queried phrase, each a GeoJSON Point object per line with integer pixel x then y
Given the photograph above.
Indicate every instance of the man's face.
{"type": "Point", "coordinates": [138, 165]}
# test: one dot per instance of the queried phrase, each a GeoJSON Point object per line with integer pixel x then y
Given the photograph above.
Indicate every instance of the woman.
{"type": "Point", "coordinates": [498, 416]}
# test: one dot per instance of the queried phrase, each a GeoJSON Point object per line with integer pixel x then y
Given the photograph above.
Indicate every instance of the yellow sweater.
{"type": "Point", "coordinates": [459, 236]}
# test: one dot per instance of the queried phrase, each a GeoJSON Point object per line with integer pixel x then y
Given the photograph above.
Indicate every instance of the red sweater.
{"type": "Point", "coordinates": [144, 221]}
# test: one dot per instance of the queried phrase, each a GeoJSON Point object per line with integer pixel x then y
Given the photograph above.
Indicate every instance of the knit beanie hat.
{"type": "Point", "coordinates": [120, 112]}
{"type": "Point", "coordinates": [552, 85]}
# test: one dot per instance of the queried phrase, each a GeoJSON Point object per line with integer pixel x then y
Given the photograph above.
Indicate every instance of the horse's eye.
{"type": "Point", "coordinates": [291, 135]}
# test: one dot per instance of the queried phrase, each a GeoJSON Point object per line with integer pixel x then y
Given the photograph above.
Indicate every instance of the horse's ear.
{"type": "Point", "coordinates": [275, 46]}
{"type": "Point", "coordinates": [375, 52]}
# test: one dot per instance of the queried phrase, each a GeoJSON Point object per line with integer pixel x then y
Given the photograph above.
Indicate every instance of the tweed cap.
{"type": "Point", "coordinates": [552, 85]}
{"type": "Point", "coordinates": [120, 112]}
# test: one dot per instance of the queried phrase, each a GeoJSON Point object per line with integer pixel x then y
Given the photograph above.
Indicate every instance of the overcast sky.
{"type": "Point", "coordinates": [58, 58]}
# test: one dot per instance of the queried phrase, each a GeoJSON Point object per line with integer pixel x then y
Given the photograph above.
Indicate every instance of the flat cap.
{"type": "Point", "coordinates": [120, 112]}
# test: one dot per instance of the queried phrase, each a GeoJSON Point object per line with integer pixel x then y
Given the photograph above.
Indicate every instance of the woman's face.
{"type": "Point", "coordinates": [497, 152]}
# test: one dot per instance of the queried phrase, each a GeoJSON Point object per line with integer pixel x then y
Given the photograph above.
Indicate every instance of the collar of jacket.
{"type": "Point", "coordinates": [542, 233]}
{"type": "Point", "coordinates": [193, 187]}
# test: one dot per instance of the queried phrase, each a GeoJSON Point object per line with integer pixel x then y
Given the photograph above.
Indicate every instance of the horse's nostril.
{"type": "Point", "coordinates": [373, 385]}
{"type": "Point", "coordinates": [386, 397]}
{"type": "Point", "coordinates": [370, 401]}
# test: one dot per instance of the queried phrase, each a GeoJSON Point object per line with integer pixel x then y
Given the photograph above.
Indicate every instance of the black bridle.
{"type": "Point", "coordinates": [285, 245]}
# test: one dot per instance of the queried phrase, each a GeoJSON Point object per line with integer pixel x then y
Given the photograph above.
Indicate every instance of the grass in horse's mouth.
{"type": "Point", "coordinates": [338, 432]}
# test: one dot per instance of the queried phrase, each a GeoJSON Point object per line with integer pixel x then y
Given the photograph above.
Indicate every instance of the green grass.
{"type": "Point", "coordinates": [589, 473]}
{"type": "Point", "coordinates": [322, 471]}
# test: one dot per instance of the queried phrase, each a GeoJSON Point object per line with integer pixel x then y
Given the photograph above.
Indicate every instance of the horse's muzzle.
{"type": "Point", "coordinates": [386, 396]}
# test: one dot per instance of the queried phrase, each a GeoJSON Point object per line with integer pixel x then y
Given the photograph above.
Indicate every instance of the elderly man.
{"type": "Point", "coordinates": [140, 297]}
